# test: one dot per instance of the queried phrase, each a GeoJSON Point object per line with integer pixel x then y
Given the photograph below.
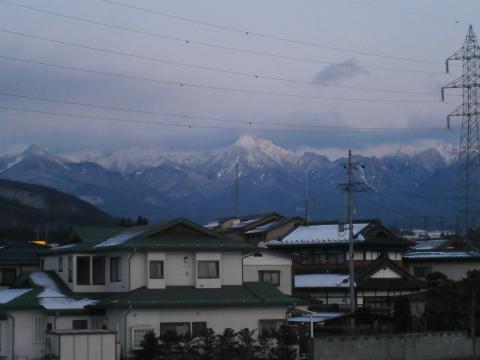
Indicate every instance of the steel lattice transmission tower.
{"type": "Point", "coordinates": [469, 152]}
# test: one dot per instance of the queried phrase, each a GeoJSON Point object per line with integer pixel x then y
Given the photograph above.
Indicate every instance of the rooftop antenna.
{"type": "Point", "coordinates": [469, 154]}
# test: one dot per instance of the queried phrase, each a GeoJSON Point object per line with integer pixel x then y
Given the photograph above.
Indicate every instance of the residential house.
{"type": "Point", "coordinates": [269, 266]}
{"type": "Point", "coordinates": [16, 257]}
{"type": "Point", "coordinates": [255, 229]}
{"type": "Point", "coordinates": [376, 285]}
{"type": "Point", "coordinates": [172, 276]}
{"type": "Point", "coordinates": [454, 263]}
{"type": "Point", "coordinates": [321, 267]}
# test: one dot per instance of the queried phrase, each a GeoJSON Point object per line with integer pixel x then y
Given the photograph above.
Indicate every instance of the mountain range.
{"type": "Point", "coordinates": [405, 188]}
{"type": "Point", "coordinates": [27, 205]}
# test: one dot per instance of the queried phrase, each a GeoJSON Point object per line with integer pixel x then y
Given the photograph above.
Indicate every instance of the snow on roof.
{"type": "Point", "coordinates": [244, 223]}
{"type": "Point", "coordinates": [121, 238]}
{"type": "Point", "coordinates": [212, 224]}
{"type": "Point", "coordinates": [54, 300]}
{"type": "Point", "coordinates": [429, 244]}
{"type": "Point", "coordinates": [64, 303]}
{"type": "Point", "coordinates": [441, 255]}
{"type": "Point", "coordinates": [63, 246]}
{"type": "Point", "coordinates": [42, 279]}
{"type": "Point", "coordinates": [10, 294]}
{"type": "Point", "coordinates": [322, 281]}
{"type": "Point", "coordinates": [319, 234]}
{"type": "Point", "coordinates": [318, 317]}
{"type": "Point", "coordinates": [266, 227]}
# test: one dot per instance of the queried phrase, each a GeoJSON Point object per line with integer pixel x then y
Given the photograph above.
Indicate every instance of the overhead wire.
{"type": "Point", "coordinates": [220, 88]}
{"type": "Point", "coordinates": [267, 36]}
{"type": "Point", "coordinates": [254, 52]}
{"type": "Point", "coordinates": [205, 118]}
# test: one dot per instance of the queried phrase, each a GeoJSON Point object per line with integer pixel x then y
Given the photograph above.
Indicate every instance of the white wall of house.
{"type": "Point", "coordinates": [216, 318]}
{"type": "Point", "coordinates": [179, 270]}
{"type": "Point", "coordinates": [25, 342]}
{"type": "Point", "coordinates": [252, 273]}
{"type": "Point", "coordinates": [454, 270]}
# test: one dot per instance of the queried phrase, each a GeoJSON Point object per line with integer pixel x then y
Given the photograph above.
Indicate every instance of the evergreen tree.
{"type": "Point", "coordinates": [284, 347]}
{"type": "Point", "coordinates": [149, 347]}
{"type": "Point", "coordinates": [172, 346]}
{"type": "Point", "coordinates": [247, 346]}
{"type": "Point", "coordinates": [226, 345]}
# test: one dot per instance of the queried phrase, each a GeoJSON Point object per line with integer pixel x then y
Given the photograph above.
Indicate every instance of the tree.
{"type": "Point", "coordinates": [226, 345]}
{"type": "Point", "coordinates": [172, 346]}
{"type": "Point", "coordinates": [402, 315]}
{"type": "Point", "coordinates": [284, 347]}
{"type": "Point", "coordinates": [149, 347]}
{"type": "Point", "coordinates": [247, 346]}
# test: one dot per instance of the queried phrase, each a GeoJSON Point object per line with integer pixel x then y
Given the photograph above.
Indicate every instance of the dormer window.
{"type": "Point", "coordinates": [155, 269]}
{"type": "Point", "coordinates": [208, 269]}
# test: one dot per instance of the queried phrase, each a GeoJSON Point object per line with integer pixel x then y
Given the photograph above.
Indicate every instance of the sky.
{"type": "Point", "coordinates": [286, 102]}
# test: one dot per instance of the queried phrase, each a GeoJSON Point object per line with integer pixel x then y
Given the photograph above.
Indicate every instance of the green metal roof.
{"type": "Point", "coordinates": [149, 238]}
{"type": "Point", "coordinates": [250, 294]}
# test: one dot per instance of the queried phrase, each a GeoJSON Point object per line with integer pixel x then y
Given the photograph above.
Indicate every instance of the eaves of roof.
{"type": "Point", "coordinates": [249, 294]}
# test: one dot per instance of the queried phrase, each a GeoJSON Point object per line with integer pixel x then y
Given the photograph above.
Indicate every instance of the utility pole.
{"type": "Point", "coordinates": [306, 198]}
{"type": "Point", "coordinates": [350, 187]}
{"type": "Point", "coordinates": [469, 152]}
{"type": "Point", "coordinates": [237, 191]}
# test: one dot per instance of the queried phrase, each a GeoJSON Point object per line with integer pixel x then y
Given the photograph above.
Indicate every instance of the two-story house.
{"type": "Point", "coordinates": [172, 276]}
{"type": "Point", "coordinates": [321, 267]}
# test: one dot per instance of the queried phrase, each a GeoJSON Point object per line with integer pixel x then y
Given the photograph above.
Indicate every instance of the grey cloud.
{"type": "Point", "coordinates": [334, 74]}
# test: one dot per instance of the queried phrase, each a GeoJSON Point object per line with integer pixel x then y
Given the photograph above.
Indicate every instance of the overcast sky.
{"type": "Point", "coordinates": [429, 30]}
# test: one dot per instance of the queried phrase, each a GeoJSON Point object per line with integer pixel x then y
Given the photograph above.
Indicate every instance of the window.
{"type": "Point", "coordinates": [99, 270]}
{"type": "Point", "coordinates": [324, 257]}
{"type": "Point", "coordinates": [180, 328]}
{"type": "Point", "coordinates": [115, 269]}
{"type": "Point", "coordinates": [83, 270]}
{"type": "Point", "coordinates": [208, 270]}
{"type": "Point", "coordinates": [8, 276]}
{"type": "Point", "coordinates": [272, 277]}
{"type": "Point", "coordinates": [60, 264]}
{"type": "Point", "coordinates": [199, 328]}
{"type": "Point", "coordinates": [79, 324]}
{"type": "Point", "coordinates": [39, 329]}
{"type": "Point", "coordinates": [421, 271]}
{"type": "Point", "coordinates": [138, 335]}
{"type": "Point", "coordinates": [42, 264]}
{"type": "Point", "coordinates": [270, 327]}
{"type": "Point", "coordinates": [156, 269]}
{"type": "Point", "coordinates": [70, 268]}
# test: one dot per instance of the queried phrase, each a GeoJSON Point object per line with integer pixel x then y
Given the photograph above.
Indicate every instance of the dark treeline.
{"type": "Point", "coordinates": [229, 345]}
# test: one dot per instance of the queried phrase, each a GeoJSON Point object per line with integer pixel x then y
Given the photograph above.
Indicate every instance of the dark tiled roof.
{"type": "Point", "coordinates": [150, 238]}
{"type": "Point", "coordinates": [250, 294]}
{"type": "Point", "coordinates": [13, 252]}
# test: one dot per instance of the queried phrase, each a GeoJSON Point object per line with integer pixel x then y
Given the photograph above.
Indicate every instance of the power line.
{"type": "Point", "coordinates": [189, 125]}
{"type": "Point", "coordinates": [217, 88]}
{"type": "Point", "coordinates": [11, 58]}
{"type": "Point", "coordinates": [186, 41]}
{"type": "Point", "coordinates": [195, 117]}
{"type": "Point", "coordinates": [268, 36]}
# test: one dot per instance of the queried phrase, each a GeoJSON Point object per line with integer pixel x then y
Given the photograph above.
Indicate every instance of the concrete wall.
{"type": "Point", "coordinates": [251, 273]}
{"type": "Point", "coordinates": [428, 346]}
